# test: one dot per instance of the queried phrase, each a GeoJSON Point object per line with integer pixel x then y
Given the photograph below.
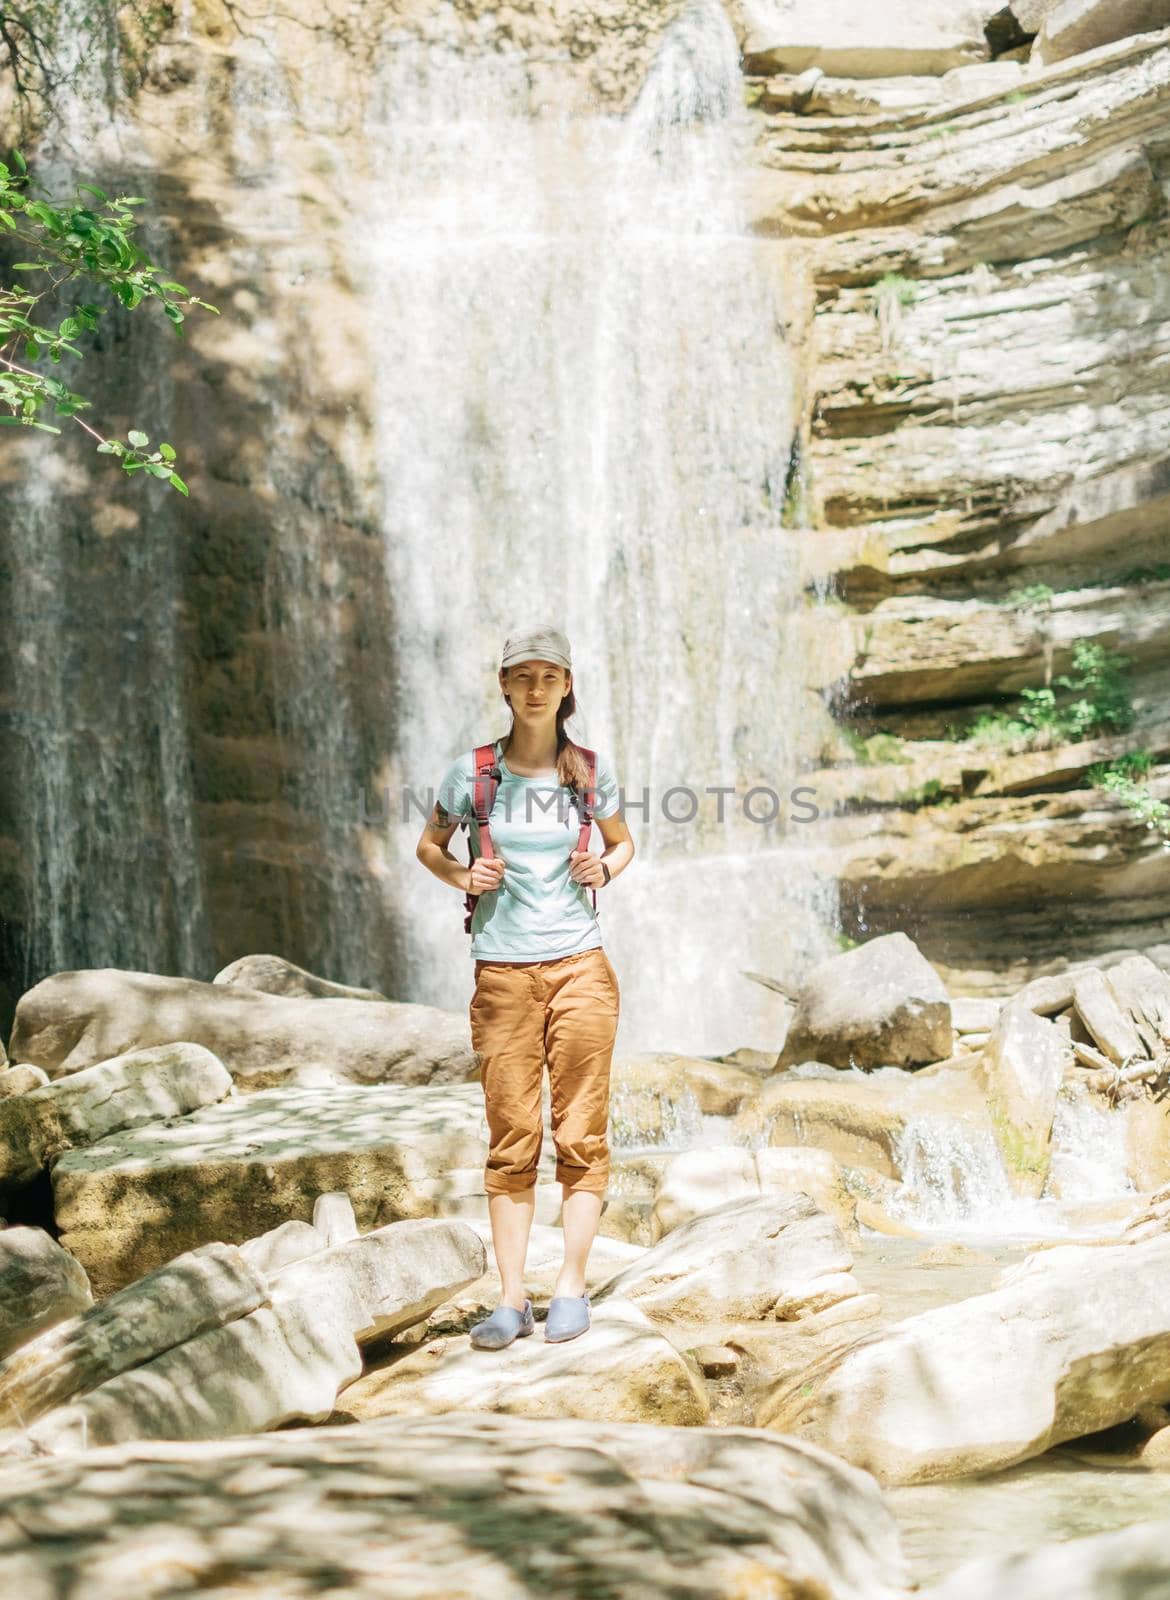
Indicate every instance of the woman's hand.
{"type": "Point", "coordinates": [486, 873]}
{"type": "Point", "coordinates": [586, 869]}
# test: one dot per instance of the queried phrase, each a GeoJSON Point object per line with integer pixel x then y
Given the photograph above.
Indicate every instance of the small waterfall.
{"type": "Point", "coordinates": [954, 1181]}
{"type": "Point", "coordinates": [584, 412]}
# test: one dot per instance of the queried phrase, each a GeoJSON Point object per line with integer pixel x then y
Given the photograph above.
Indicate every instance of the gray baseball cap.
{"type": "Point", "coordinates": [539, 643]}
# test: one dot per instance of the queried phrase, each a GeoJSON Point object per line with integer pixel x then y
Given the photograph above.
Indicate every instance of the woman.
{"type": "Point", "coordinates": [543, 983]}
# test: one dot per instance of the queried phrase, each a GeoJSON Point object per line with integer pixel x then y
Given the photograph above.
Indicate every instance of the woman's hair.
{"type": "Point", "coordinates": [571, 768]}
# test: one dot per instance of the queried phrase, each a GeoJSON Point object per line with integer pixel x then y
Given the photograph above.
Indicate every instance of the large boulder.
{"type": "Point", "coordinates": [505, 1508]}
{"type": "Point", "coordinates": [229, 1171]}
{"type": "Point", "coordinates": [623, 1370]}
{"type": "Point", "coordinates": [1072, 1340]}
{"type": "Point", "coordinates": [128, 1091]}
{"type": "Point", "coordinates": [767, 1257]}
{"type": "Point", "coordinates": [208, 1346]}
{"type": "Point", "coordinates": [1074, 26]}
{"type": "Point", "coordinates": [1023, 1065]}
{"type": "Point", "coordinates": [881, 1004]}
{"type": "Point", "coordinates": [852, 39]}
{"type": "Point", "coordinates": [275, 975]}
{"type": "Point", "coordinates": [40, 1285]}
{"type": "Point", "coordinates": [75, 1019]}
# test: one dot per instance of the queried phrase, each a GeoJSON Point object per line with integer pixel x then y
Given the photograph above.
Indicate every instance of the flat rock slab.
{"type": "Point", "coordinates": [451, 1508]}
{"type": "Point", "coordinates": [621, 1370]}
{"type": "Point", "coordinates": [76, 1019]}
{"type": "Point", "coordinates": [233, 1170]}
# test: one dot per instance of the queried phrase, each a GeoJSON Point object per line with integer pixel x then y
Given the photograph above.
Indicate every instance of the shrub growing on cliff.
{"type": "Point", "coordinates": [1096, 700]}
{"type": "Point", "coordinates": [77, 238]}
{"type": "Point", "coordinates": [1122, 777]}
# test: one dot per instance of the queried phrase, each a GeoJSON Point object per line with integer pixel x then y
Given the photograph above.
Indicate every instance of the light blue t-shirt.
{"type": "Point", "coordinates": [538, 913]}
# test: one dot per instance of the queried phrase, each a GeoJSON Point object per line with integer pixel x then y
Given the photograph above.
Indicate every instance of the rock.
{"type": "Point", "coordinates": [290, 1241]}
{"type": "Point", "coordinates": [41, 1285]}
{"type": "Point", "coordinates": [1142, 990]}
{"type": "Point", "coordinates": [237, 1354]}
{"type": "Point", "coordinates": [1104, 1016]}
{"type": "Point", "coordinates": [274, 975]}
{"type": "Point", "coordinates": [74, 1019]}
{"type": "Point", "coordinates": [197, 1292]}
{"type": "Point", "coordinates": [974, 1015]}
{"type": "Point", "coordinates": [880, 1004]}
{"type": "Point", "coordinates": [1048, 995]}
{"type": "Point", "coordinates": [1072, 1340]}
{"type": "Point", "coordinates": [700, 1180]}
{"type": "Point", "coordinates": [280, 1363]}
{"type": "Point", "coordinates": [853, 40]}
{"type": "Point", "coordinates": [1147, 1141]}
{"type": "Point", "coordinates": [624, 1370]}
{"type": "Point", "coordinates": [1023, 1066]}
{"type": "Point", "coordinates": [19, 1080]}
{"type": "Point", "coordinates": [387, 1280]}
{"type": "Point", "coordinates": [229, 1171]}
{"type": "Point", "coordinates": [773, 1257]}
{"type": "Point", "coordinates": [1074, 26]}
{"type": "Point", "coordinates": [651, 1093]}
{"type": "Point", "coordinates": [1155, 1453]}
{"type": "Point", "coordinates": [546, 1250]}
{"type": "Point", "coordinates": [504, 1507]}
{"type": "Point", "coordinates": [128, 1091]}
{"type": "Point", "coordinates": [1151, 1217]}
{"type": "Point", "coordinates": [715, 1360]}
{"type": "Point", "coordinates": [1031, 13]}
{"type": "Point", "coordinates": [1106, 1566]}
{"type": "Point", "coordinates": [334, 1218]}
{"type": "Point", "coordinates": [982, 78]}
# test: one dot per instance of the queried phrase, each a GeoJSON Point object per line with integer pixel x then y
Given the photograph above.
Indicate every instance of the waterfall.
{"type": "Point", "coordinates": [584, 413]}
{"type": "Point", "coordinates": [954, 1181]}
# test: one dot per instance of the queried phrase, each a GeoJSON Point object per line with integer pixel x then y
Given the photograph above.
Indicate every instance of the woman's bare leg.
{"type": "Point", "coordinates": [580, 1215]}
{"type": "Point", "coordinates": [511, 1216]}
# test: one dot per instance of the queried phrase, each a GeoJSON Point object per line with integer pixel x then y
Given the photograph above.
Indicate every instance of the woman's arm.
{"type": "Point", "coordinates": [480, 878]}
{"type": "Point", "coordinates": [617, 855]}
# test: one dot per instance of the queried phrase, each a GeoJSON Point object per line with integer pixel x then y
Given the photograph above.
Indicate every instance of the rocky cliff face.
{"type": "Point", "coordinates": [989, 470]}
{"type": "Point", "coordinates": [970, 210]}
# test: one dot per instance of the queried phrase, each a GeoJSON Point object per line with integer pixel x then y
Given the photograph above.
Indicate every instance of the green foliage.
{"type": "Point", "coordinates": [1097, 701]}
{"type": "Point", "coordinates": [878, 749]}
{"type": "Point", "coordinates": [1036, 596]}
{"type": "Point", "coordinates": [1155, 574]}
{"type": "Point", "coordinates": [894, 286]}
{"type": "Point", "coordinates": [928, 793]}
{"type": "Point", "coordinates": [78, 238]}
{"type": "Point", "coordinates": [1122, 777]}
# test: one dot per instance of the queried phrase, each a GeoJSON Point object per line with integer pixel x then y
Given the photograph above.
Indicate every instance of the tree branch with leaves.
{"type": "Point", "coordinates": [88, 237]}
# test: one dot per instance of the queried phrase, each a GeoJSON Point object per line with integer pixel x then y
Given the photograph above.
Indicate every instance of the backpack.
{"type": "Point", "coordinates": [483, 798]}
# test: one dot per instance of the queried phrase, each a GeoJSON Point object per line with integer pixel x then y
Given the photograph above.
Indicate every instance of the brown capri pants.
{"type": "Point", "coordinates": [521, 1013]}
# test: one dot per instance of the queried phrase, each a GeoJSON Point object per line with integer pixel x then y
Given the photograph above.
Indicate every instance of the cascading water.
{"type": "Point", "coordinates": [98, 728]}
{"type": "Point", "coordinates": [954, 1181]}
{"type": "Point", "coordinates": [585, 414]}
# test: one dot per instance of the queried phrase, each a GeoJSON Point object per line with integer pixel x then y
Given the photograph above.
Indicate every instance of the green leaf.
{"type": "Point", "coordinates": [20, 161]}
{"type": "Point", "coordinates": [29, 266]}
{"type": "Point", "coordinates": [12, 422]}
{"type": "Point", "coordinates": [167, 452]}
{"type": "Point", "coordinates": [157, 470]}
{"type": "Point", "coordinates": [109, 447]}
{"type": "Point", "coordinates": [137, 438]}
{"type": "Point", "coordinates": [45, 427]}
{"type": "Point", "coordinates": [178, 483]}
{"type": "Point", "coordinates": [93, 189]}
{"type": "Point", "coordinates": [70, 328]}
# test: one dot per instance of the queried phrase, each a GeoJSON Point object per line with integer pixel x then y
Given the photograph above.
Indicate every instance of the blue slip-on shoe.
{"type": "Point", "coordinates": [568, 1316]}
{"type": "Point", "coordinates": [504, 1325]}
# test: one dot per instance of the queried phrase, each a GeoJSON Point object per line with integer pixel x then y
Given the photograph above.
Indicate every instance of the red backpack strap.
{"type": "Point", "coordinates": [585, 806]}
{"type": "Point", "coordinates": [484, 782]}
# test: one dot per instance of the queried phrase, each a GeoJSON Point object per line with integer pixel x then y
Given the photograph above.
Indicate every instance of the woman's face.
{"type": "Point", "coordinates": [536, 689]}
